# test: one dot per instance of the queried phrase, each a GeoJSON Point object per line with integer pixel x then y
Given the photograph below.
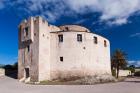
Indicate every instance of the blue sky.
{"type": "Point", "coordinates": [117, 20]}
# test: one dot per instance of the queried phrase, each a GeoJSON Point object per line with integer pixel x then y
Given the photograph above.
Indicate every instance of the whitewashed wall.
{"type": "Point", "coordinates": [79, 58]}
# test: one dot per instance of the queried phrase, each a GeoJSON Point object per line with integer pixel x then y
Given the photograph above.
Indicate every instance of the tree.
{"type": "Point", "coordinates": [132, 69]}
{"type": "Point", "coordinates": [118, 61]}
{"type": "Point", "coordinates": [1, 66]}
{"type": "Point", "coordinates": [12, 67]}
{"type": "Point", "coordinates": [15, 66]}
{"type": "Point", "coordinates": [8, 67]}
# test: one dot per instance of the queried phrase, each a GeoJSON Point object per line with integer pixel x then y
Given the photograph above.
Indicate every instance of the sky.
{"type": "Point", "coordinates": [117, 20]}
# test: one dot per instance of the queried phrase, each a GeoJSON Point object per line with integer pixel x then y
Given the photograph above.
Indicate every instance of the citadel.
{"type": "Point", "coordinates": [48, 52]}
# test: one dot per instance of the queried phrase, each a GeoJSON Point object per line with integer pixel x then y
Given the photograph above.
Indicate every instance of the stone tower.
{"type": "Point", "coordinates": [48, 52]}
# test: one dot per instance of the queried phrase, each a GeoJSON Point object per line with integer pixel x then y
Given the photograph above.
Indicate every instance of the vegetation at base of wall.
{"type": "Point", "coordinates": [113, 72]}
{"type": "Point", "coordinates": [137, 73]}
{"type": "Point", "coordinates": [121, 79]}
{"type": "Point", "coordinates": [55, 83]}
{"type": "Point", "coordinates": [87, 80]}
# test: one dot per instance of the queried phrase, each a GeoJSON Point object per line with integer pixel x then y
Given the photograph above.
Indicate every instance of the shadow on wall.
{"type": "Point", "coordinates": [11, 70]}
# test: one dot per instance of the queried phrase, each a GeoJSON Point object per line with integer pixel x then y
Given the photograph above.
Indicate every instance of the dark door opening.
{"type": "Point", "coordinates": [27, 72]}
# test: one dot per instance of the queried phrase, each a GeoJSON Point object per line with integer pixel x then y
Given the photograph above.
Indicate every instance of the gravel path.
{"type": "Point", "coordinates": [9, 85]}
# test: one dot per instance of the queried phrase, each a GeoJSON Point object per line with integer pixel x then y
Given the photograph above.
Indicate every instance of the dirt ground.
{"type": "Point", "coordinates": [10, 85]}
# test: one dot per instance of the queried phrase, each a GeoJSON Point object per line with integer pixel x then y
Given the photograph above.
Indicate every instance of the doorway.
{"type": "Point", "coordinates": [27, 74]}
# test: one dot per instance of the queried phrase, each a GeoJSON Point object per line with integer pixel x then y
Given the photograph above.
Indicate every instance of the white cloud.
{"type": "Point", "coordinates": [119, 10]}
{"type": "Point", "coordinates": [118, 22]}
{"type": "Point", "coordinates": [135, 35]}
{"type": "Point", "coordinates": [1, 4]}
{"type": "Point", "coordinates": [38, 4]}
{"type": "Point", "coordinates": [80, 6]}
{"type": "Point", "coordinates": [113, 11]}
{"type": "Point", "coordinates": [133, 62]}
{"type": "Point", "coordinates": [51, 9]}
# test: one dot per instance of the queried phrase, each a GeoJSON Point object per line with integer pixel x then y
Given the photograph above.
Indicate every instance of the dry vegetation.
{"type": "Point", "coordinates": [87, 80]}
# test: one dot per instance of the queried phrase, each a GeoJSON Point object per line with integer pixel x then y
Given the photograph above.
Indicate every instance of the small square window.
{"type": "Point", "coordinates": [105, 43]}
{"type": "Point", "coordinates": [61, 59]}
{"type": "Point", "coordinates": [95, 40]}
{"type": "Point", "coordinates": [67, 28]}
{"type": "Point", "coordinates": [60, 38]}
{"type": "Point", "coordinates": [79, 37]}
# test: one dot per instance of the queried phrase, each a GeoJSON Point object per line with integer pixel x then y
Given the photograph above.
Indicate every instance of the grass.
{"type": "Point", "coordinates": [121, 79]}
{"type": "Point", "coordinates": [87, 80]}
{"type": "Point", "coordinates": [56, 83]}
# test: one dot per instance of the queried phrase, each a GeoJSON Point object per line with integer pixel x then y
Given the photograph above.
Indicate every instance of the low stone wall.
{"type": "Point", "coordinates": [124, 72]}
{"type": "Point", "coordinates": [2, 72]}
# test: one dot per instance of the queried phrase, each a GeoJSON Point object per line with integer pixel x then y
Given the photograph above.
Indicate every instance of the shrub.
{"type": "Point", "coordinates": [114, 73]}
{"type": "Point", "coordinates": [137, 73]}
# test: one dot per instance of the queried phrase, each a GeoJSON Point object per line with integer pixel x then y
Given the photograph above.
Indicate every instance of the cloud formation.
{"type": "Point", "coordinates": [135, 35]}
{"type": "Point", "coordinates": [133, 62]}
{"type": "Point", "coordinates": [114, 12]}
{"type": "Point", "coordinates": [1, 4]}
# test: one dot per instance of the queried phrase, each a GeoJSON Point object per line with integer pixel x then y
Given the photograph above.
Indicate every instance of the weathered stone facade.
{"type": "Point", "coordinates": [49, 52]}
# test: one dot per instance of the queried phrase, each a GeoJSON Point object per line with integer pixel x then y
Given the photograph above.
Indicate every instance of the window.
{"type": "Point", "coordinates": [26, 31]}
{"type": "Point", "coordinates": [67, 28]}
{"type": "Point", "coordinates": [20, 28]}
{"type": "Point", "coordinates": [60, 38]}
{"type": "Point", "coordinates": [35, 21]}
{"type": "Point", "coordinates": [28, 48]}
{"type": "Point", "coordinates": [61, 59]}
{"type": "Point", "coordinates": [105, 43]}
{"type": "Point", "coordinates": [79, 37]}
{"type": "Point", "coordinates": [43, 20]}
{"type": "Point", "coordinates": [95, 40]}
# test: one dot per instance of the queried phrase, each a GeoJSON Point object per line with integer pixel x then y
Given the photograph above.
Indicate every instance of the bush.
{"type": "Point", "coordinates": [114, 73]}
{"type": "Point", "coordinates": [8, 67]}
{"type": "Point", "coordinates": [1, 66]}
{"type": "Point", "coordinates": [137, 73]}
{"type": "Point", "coordinates": [11, 67]}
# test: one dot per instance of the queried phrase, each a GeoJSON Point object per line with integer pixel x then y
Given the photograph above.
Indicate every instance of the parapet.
{"type": "Point", "coordinates": [76, 28]}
